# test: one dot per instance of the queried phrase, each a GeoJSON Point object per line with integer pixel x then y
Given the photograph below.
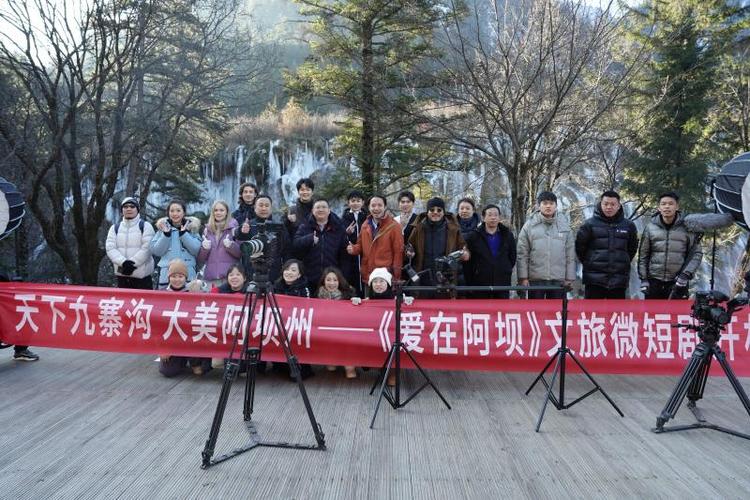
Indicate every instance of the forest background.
{"type": "Point", "coordinates": [106, 98]}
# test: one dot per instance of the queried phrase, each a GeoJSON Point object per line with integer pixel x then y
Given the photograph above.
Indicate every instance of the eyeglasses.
{"type": "Point", "coordinates": [437, 210]}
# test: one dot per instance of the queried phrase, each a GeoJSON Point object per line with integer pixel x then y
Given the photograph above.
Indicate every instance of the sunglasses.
{"type": "Point", "coordinates": [435, 210]}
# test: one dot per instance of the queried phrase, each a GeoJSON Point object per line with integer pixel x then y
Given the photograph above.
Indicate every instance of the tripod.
{"type": "Point", "coordinates": [693, 382]}
{"type": "Point", "coordinates": [559, 358]}
{"type": "Point", "coordinates": [251, 357]}
{"type": "Point", "coordinates": [393, 362]}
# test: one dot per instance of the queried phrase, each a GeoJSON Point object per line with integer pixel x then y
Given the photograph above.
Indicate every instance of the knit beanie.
{"type": "Point", "coordinates": [177, 266]}
{"type": "Point", "coordinates": [380, 272]}
{"type": "Point", "coordinates": [435, 202]}
{"type": "Point", "coordinates": [132, 200]}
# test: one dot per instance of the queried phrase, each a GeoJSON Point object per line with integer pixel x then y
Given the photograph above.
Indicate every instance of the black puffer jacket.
{"type": "Point", "coordinates": [297, 289]}
{"type": "Point", "coordinates": [605, 246]}
{"type": "Point", "coordinates": [486, 270]}
{"type": "Point", "coordinates": [329, 251]}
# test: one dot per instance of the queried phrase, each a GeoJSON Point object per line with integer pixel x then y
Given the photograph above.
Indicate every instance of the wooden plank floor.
{"type": "Point", "coordinates": [85, 425]}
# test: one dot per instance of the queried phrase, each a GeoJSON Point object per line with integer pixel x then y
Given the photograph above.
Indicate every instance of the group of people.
{"type": "Point", "coordinates": [365, 251]}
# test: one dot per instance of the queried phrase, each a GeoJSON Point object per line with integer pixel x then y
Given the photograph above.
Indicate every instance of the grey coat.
{"type": "Point", "coordinates": [546, 249]}
{"type": "Point", "coordinates": [665, 252]}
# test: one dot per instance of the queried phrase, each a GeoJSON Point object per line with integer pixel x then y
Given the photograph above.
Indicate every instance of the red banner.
{"type": "Point", "coordinates": [612, 336]}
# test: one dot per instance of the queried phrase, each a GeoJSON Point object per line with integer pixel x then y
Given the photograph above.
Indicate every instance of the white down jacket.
{"type": "Point", "coordinates": [131, 244]}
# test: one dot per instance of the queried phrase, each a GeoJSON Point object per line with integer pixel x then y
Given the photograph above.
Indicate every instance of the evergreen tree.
{"type": "Point", "coordinates": [363, 58]}
{"type": "Point", "coordinates": [686, 39]}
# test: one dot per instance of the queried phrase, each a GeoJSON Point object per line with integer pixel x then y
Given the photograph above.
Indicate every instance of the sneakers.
{"type": "Point", "coordinates": [25, 355]}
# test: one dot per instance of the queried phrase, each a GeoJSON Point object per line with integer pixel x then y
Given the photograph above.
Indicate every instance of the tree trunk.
{"type": "Point", "coordinates": [22, 249]}
{"type": "Point", "coordinates": [368, 162]}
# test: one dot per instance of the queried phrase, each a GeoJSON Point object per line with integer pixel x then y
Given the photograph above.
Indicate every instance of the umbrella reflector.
{"type": "Point", "coordinates": [728, 188]}
{"type": "Point", "coordinates": [11, 208]}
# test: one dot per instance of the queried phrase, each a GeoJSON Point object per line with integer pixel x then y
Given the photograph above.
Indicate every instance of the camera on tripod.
{"type": "Point", "coordinates": [261, 247]}
{"type": "Point", "coordinates": [446, 268]}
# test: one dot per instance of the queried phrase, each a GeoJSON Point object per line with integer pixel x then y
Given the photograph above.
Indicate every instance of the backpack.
{"type": "Point", "coordinates": [141, 223]}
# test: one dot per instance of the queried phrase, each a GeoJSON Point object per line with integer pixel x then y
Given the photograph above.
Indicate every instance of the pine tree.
{"type": "Point", "coordinates": [687, 39]}
{"type": "Point", "coordinates": [363, 56]}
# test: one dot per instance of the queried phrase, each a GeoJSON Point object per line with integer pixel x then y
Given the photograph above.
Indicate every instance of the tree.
{"type": "Point", "coordinates": [523, 86]}
{"type": "Point", "coordinates": [363, 58]}
{"type": "Point", "coordinates": [121, 85]}
{"type": "Point", "coordinates": [686, 41]}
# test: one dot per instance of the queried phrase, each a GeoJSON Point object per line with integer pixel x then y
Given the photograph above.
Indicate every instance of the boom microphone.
{"type": "Point", "coordinates": [701, 223]}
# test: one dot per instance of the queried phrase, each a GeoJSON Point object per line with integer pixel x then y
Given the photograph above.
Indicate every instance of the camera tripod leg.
{"type": "Point", "coordinates": [382, 394]}
{"type": "Point", "coordinates": [544, 370]}
{"type": "Point", "coordinates": [722, 359]}
{"type": "Point", "coordinates": [427, 380]}
{"type": "Point", "coordinates": [549, 396]}
{"type": "Point", "coordinates": [296, 372]}
{"type": "Point", "coordinates": [686, 380]}
{"type": "Point", "coordinates": [598, 387]}
{"type": "Point", "coordinates": [381, 374]}
{"type": "Point", "coordinates": [230, 371]}
{"type": "Point", "coordinates": [695, 390]}
{"type": "Point", "coordinates": [251, 360]}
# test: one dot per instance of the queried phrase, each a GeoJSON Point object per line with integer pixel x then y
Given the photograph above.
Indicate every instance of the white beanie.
{"type": "Point", "coordinates": [380, 272]}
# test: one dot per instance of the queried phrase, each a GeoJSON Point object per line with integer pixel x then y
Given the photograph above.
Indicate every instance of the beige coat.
{"type": "Point", "coordinates": [546, 249]}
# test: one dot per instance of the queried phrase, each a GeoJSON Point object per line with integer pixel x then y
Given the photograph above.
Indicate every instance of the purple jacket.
{"type": "Point", "coordinates": [219, 258]}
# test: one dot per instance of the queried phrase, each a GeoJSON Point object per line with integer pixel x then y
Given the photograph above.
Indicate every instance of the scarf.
{"type": "Point", "coordinates": [323, 293]}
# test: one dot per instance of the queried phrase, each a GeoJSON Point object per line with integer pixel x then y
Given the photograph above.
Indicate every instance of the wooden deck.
{"type": "Point", "coordinates": [97, 425]}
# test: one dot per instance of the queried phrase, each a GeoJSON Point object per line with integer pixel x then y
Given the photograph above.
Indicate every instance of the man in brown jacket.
{"type": "Point", "coordinates": [435, 234]}
{"type": "Point", "coordinates": [380, 242]}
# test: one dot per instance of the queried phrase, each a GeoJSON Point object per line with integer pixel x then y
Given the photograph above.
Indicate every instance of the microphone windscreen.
{"type": "Point", "coordinates": [700, 223]}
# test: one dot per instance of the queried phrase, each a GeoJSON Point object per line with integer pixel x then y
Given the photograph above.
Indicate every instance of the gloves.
{"type": "Point", "coordinates": [356, 301]}
{"type": "Point", "coordinates": [682, 280]}
{"type": "Point", "coordinates": [227, 242]}
{"type": "Point", "coordinates": [127, 267]}
{"type": "Point", "coordinates": [644, 288]}
{"type": "Point", "coordinates": [408, 300]}
{"type": "Point", "coordinates": [206, 244]}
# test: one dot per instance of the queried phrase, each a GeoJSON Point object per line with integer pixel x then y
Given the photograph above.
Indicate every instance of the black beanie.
{"type": "Point", "coordinates": [435, 202]}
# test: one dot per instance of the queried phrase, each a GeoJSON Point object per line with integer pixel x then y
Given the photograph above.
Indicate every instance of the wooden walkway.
{"type": "Point", "coordinates": [84, 425]}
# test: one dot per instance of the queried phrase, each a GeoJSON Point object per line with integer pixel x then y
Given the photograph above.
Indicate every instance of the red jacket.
{"type": "Point", "coordinates": [386, 249]}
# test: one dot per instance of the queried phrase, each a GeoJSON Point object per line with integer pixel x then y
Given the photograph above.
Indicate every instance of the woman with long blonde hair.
{"type": "Point", "coordinates": [219, 250]}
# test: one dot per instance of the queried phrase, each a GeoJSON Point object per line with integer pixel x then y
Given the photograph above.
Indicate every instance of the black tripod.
{"type": "Point", "coordinates": [393, 362]}
{"type": "Point", "coordinates": [559, 357]}
{"type": "Point", "coordinates": [251, 357]}
{"type": "Point", "coordinates": [693, 382]}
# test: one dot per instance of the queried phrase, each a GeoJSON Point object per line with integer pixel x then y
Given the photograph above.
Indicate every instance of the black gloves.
{"type": "Point", "coordinates": [127, 267]}
{"type": "Point", "coordinates": [682, 280]}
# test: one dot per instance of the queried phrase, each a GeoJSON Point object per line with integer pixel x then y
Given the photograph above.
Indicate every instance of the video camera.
{"type": "Point", "coordinates": [261, 247]}
{"type": "Point", "coordinates": [711, 315]}
{"type": "Point", "coordinates": [446, 268]}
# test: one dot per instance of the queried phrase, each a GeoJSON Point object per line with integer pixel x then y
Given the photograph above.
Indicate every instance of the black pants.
{"type": "Point", "coordinates": [599, 292]}
{"type": "Point", "coordinates": [545, 294]}
{"type": "Point", "coordinates": [658, 289]}
{"type": "Point", "coordinates": [146, 283]}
